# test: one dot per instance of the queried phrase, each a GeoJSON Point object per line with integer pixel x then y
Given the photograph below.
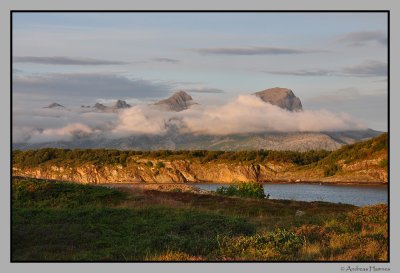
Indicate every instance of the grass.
{"type": "Point", "coordinates": [71, 222]}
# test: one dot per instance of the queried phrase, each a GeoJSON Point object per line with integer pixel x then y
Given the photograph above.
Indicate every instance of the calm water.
{"type": "Point", "coordinates": [355, 195]}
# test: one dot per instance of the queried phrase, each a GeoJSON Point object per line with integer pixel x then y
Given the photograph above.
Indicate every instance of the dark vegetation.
{"type": "Point", "coordinates": [248, 190]}
{"type": "Point", "coordinates": [326, 159]}
{"type": "Point", "coordinates": [32, 158]}
{"type": "Point", "coordinates": [71, 222]}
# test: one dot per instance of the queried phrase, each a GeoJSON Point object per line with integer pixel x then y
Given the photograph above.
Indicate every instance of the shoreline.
{"type": "Point", "coordinates": [322, 183]}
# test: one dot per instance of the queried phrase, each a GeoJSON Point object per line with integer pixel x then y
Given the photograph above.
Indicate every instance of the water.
{"type": "Point", "coordinates": [355, 195]}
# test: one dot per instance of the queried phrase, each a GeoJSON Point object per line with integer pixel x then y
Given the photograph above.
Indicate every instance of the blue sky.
{"type": "Point", "coordinates": [332, 61]}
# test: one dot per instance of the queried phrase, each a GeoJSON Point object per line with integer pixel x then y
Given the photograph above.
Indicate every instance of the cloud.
{"type": "Point", "coordinates": [361, 38]}
{"type": "Point", "coordinates": [60, 60]}
{"type": "Point", "coordinates": [303, 72]}
{"type": "Point", "coordinates": [258, 50]}
{"type": "Point", "coordinates": [40, 125]}
{"type": "Point", "coordinates": [245, 114]}
{"type": "Point", "coordinates": [369, 68]}
{"type": "Point", "coordinates": [70, 132]}
{"type": "Point", "coordinates": [204, 90]}
{"type": "Point", "coordinates": [87, 86]}
{"type": "Point", "coordinates": [142, 119]}
{"type": "Point", "coordinates": [166, 60]}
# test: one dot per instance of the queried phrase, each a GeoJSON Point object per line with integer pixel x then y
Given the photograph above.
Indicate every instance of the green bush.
{"type": "Point", "coordinates": [160, 165]}
{"type": "Point", "coordinates": [250, 190]}
{"type": "Point", "coordinates": [286, 241]}
{"type": "Point", "coordinates": [149, 164]}
{"type": "Point", "coordinates": [383, 163]}
{"type": "Point", "coordinates": [331, 169]}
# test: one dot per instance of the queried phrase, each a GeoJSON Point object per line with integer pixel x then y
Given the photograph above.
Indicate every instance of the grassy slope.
{"type": "Point", "coordinates": [62, 221]}
{"type": "Point", "coordinates": [349, 161]}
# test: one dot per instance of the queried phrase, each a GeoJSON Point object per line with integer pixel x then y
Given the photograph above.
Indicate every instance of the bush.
{"type": "Point", "coordinates": [331, 169]}
{"type": "Point", "coordinates": [383, 163]}
{"type": "Point", "coordinates": [250, 190]}
{"type": "Point", "coordinates": [149, 164]}
{"type": "Point", "coordinates": [160, 165]}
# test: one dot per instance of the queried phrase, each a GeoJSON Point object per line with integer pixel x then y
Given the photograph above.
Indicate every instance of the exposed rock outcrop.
{"type": "Point", "coordinates": [282, 97]}
{"type": "Point", "coordinates": [185, 171]}
{"type": "Point", "coordinates": [100, 107]}
{"type": "Point", "coordinates": [121, 104]}
{"type": "Point", "coordinates": [179, 101]}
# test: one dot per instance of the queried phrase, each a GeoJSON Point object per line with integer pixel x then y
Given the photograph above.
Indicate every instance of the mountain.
{"type": "Point", "coordinates": [55, 105]}
{"type": "Point", "coordinates": [179, 101]}
{"type": "Point", "coordinates": [99, 106]}
{"type": "Point", "coordinates": [282, 97]}
{"type": "Point", "coordinates": [175, 140]}
{"type": "Point", "coordinates": [120, 104]}
{"type": "Point", "coordinates": [239, 142]}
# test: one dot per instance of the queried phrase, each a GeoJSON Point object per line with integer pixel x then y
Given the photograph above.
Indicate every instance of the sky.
{"type": "Point", "coordinates": [335, 62]}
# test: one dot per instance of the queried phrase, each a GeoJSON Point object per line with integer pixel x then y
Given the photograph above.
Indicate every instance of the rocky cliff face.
{"type": "Point", "coordinates": [182, 171]}
{"type": "Point", "coordinates": [282, 97]}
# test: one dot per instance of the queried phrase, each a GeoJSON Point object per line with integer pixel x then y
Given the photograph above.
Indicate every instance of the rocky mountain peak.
{"type": "Point", "coordinates": [121, 104]}
{"type": "Point", "coordinates": [54, 105]}
{"type": "Point", "coordinates": [100, 106]}
{"type": "Point", "coordinates": [282, 97]}
{"type": "Point", "coordinates": [179, 101]}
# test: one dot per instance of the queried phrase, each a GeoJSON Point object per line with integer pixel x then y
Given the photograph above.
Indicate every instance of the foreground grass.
{"type": "Point", "coordinates": [65, 221]}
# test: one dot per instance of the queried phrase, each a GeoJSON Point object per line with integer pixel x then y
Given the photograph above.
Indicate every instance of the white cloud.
{"type": "Point", "coordinates": [245, 114]}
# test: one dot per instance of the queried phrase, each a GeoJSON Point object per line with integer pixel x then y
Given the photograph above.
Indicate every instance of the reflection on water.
{"type": "Point", "coordinates": [355, 195]}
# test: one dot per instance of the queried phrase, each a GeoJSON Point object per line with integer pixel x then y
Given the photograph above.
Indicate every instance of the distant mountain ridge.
{"type": "Point", "coordinates": [175, 141]}
{"type": "Point", "coordinates": [180, 101]}
{"type": "Point", "coordinates": [118, 105]}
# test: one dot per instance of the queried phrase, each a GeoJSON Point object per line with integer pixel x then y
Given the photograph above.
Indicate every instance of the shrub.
{"type": "Point", "coordinates": [250, 190]}
{"type": "Point", "coordinates": [160, 165]}
{"type": "Point", "coordinates": [383, 163]}
{"type": "Point", "coordinates": [286, 241]}
{"type": "Point", "coordinates": [331, 169]}
{"type": "Point", "coordinates": [149, 164]}
{"type": "Point", "coordinates": [279, 243]}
